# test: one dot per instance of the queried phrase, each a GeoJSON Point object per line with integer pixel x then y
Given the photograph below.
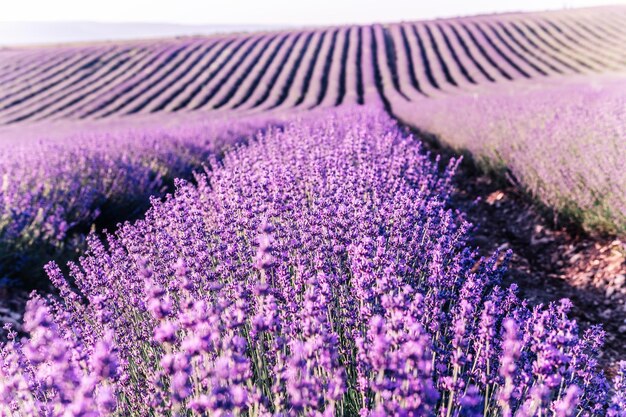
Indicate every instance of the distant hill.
{"type": "Point", "coordinates": [29, 33]}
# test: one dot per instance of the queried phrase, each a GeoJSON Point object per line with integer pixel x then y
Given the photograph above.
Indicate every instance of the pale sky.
{"type": "Point", "coordinates": [266, 12]}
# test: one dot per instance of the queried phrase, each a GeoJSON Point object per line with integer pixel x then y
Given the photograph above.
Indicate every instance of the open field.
{"type": "Point", "coordinates": [480, 62]}
{"type": "Point", "coordinates": [279, 223]}
{"type": "Point", "coordinates": [309, 68]}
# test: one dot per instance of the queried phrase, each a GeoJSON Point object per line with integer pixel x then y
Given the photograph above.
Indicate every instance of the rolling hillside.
{"type": "Point", "coordinates": [396, 64]}
{"type": "Point", "coordinates": [281, 223]}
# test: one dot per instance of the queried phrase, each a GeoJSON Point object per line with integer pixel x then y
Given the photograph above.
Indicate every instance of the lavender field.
{"type": "Point", "coordinates": [284, 223]}
{"type": "Point", "coordinates": [405, 66]}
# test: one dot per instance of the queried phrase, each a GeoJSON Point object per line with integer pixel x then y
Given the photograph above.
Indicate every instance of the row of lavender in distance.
{"type": "Point", "coordinates": [316, 272]}
{"type": "Point", "coordinates": [307, 68]}
{"type": "Point", "coordinates": [57, 180]}
{"type": "Point", "coordinates": [562, 140]}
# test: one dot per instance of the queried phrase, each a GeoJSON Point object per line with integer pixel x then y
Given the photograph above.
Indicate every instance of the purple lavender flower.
{"type": "Point", "coordinates": [362, 297]}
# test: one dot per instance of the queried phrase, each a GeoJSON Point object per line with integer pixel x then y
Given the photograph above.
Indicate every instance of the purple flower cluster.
{"type": "Point", "coordinates": [53, 186]}
{"type": "Point", "coordinates": [51, 374]}
{"type": "Point", "coordinates": [316, 272]}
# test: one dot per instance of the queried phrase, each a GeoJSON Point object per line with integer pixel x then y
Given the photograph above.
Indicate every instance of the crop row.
{"type": "Point", "coordinates": [53, 191]}
{"type": "Point", "coordinates": [316, 272]}
{"type": "Point", "coordinates": [310, 68]}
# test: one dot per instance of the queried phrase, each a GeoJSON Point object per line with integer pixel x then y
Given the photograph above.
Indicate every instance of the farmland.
{"type": "Point", "coordinates": [250, 224]}
{"type": "Point", "coordinates": [307, 69]}
{"type": "Point", "coordinates": [403, 66]}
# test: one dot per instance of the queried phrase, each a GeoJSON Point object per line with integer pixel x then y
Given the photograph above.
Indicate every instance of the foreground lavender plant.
{"type": "Point", "coordinates": [317, 272]}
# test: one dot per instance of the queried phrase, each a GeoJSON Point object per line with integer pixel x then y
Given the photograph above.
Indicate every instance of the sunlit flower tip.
{"type": "Point", "coordinates": [265, 242]}
{"type": "Point", "coordinates": [239, 396]}
{"type": "Point", "coordinates": [566, 406]}
{"type": "Point", "coordinates": [106, 398]}
{"type": "Point", "coordinates": [376, 324]}
{"type": "Point", "coordinates": [261, 289]}
{"type": "Point", "coordinates": [239, 344]}
{"type": "Point", "coordinates": [511, 327]}
{"type": "Point", "coordinates": [166, 332]}
{"type": "Point", "coordinates": [471, 398]}
{"type": "Point", "coordinates": [263, 261]}
{"type": "Point", "coordinates": [144, 270]}
{"type": "Point", "coordinates": [104, 360]}
{"type": "Point", "coordinates": [161, 307]}
{"type": "Point", "coordinates": [154, 290]}
{"type": "Point", "coordinates": [265, 227]}
{"type": "Point", "coordinates": [193, 344]}
{"type": "Point", "coordinates": [200, 404]}
{"type": "Point", "coordinates": [167, 363]}
{"type": "Point", "coordinates": [223, 368]}
{"type": "Point", "coordinates": [565, 305]}
{"type": "Point", "coordinates": [37, 315]}
{"type": "Point", "coordinates": [180, 268]}
{"type": "Point", "coordinates": [181, 386]}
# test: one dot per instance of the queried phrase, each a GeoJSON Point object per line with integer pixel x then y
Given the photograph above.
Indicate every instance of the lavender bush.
{"type": "Point", "coordinates": [316, 272]}
{"type": "Point", "coordinates": [53, 186]}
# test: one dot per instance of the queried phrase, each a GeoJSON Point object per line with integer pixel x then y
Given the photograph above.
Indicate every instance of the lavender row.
{"type": "Point", "coordinates": [562, 141]}
{"type": "Point", "coordinates": [250, 72]}
{"type": "Point", "coordinates": [53, 186]}
{"type": "Point", "coordinates": [318, 271]}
